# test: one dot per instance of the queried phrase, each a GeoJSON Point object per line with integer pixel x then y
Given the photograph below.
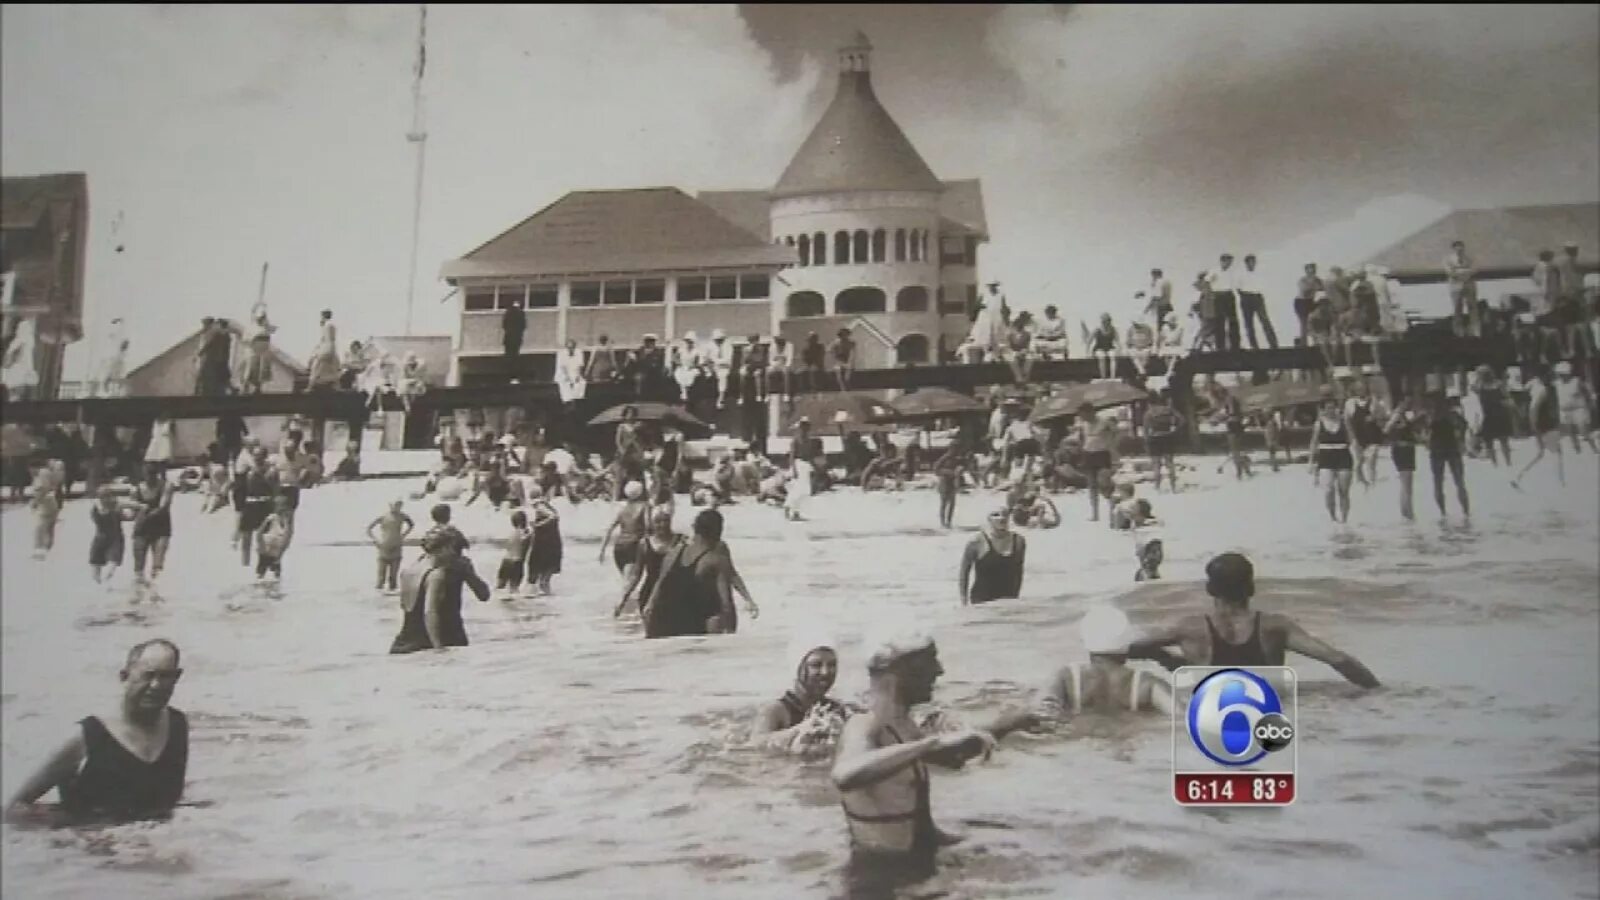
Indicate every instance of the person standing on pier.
{"type": "Point", "coordinates": [1305, 300]}
{"type": "Point", "coordinates": [1224, 281]}
{"type": "Point", "coordinates": [258, 366]}
{"type": "Point", "coordinates": [1252, 303]}
{"type": "Point", "coordinates": [513, 324]}
{"type": "Point", "coordinates": [325, 368]}
{"type": "Point", "coordinates": [1463, 280]}
{"type": "Point", "coordinates": [570, 383]}
{"type": "Point", "coordinates": [602, 367]}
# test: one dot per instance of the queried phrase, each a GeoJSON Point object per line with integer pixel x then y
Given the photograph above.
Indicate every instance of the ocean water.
{"type": "Point", "coordinates": [563, 756]}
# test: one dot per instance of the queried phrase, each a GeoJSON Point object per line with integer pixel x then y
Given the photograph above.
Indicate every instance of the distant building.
{"type": "Point", "coordinates": [1503, 245]}
{"type": "Point", "coordinates": [858, 233]}
{"type": "Point", "coordinates": [44, 224]}
{"type": "Point", "coordinates": [171, 373]}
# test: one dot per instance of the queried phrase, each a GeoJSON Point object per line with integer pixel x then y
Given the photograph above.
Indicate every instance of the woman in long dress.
{"type": "Point", "coordinates": [569, 373]}
{"type": "Point", "coordinates": [325, 368]}
{"type": "Point", "coordinates": [19, 371]}
{"type": "Point", "coordinates": [988, 332]}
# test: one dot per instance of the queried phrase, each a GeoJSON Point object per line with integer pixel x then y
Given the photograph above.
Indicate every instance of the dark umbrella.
{"type": "Point", "coordinates": [1280, 394]}
{"type": "Point", "coordinates": [850, 410]}
{"type": "Point", "coordinates": [1099, 394]}
{"type": "Point", "coordinates": [935, 403]}
{"type": "Point", "coordinates": [651, 412]}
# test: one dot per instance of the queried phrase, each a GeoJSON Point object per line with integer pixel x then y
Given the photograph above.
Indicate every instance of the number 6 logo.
{"type": "Point", "coordinates": [1223, 713]}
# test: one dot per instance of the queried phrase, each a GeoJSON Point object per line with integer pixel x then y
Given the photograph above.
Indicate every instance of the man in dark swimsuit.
{"type": "Point", "coordinates": [881, 771]}
{"type": "Point", "coordinates": [430, 595]}
{"type": "Point", "coordinates": [122, 767]}
{"type": "Point", "coordinates": [1231, 635]}
{"type": "Point", "coordinates": [694, 593]}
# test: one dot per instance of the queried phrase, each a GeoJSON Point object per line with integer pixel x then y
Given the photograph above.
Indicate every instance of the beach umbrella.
{"type": "Point", "coordinates": [1099, 394]}
{"type": "Point", "coordinates": [666, 413]}
{"type": "Point", "coordinates": [935, 403]}
{"type": "Point", "coordinates": [851, 410]}
{"type": "Point", "coordinates": [1280, 394]}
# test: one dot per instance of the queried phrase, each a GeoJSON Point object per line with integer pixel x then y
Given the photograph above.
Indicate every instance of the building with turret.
{"type": "Point", "coordinates": [858, 233]}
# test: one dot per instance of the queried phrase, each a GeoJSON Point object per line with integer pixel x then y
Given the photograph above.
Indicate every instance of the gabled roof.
{"type": "Point", "coordinates": [750, 210]}
{"type": "Point", "coordinates": [1500, 242]}
{"type": "Point", "coordinates": [640, 230]}
{"type": "Point", "coordinates": [855, 146]}
{"type": "Point", "coordinates": [187, 346]}
{"type": "Point", "coordinates": [960, 207]}
{"type": "Point", "coordinates": [25, 198]}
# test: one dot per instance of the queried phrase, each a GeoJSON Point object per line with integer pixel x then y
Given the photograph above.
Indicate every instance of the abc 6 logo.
{"type": "Point", "coordinates": [1235, 718]}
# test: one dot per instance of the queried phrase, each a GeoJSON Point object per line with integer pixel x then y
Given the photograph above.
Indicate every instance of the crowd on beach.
{"type": "Point", "coordinates": [1016, 454]}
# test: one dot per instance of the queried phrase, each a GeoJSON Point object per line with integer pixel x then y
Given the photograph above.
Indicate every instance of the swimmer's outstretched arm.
{"type": "Point", "coordinates": [62, 765]}
{"type": "Point", "coordinates": [606, 541]}
{"type": "Point", "coordinates": [859, 764]}
{"type": "Point", "coordinates": [1154, 645]}
{"type": "Point", "coordinates": [1299, 641]}
{"type": "Point", "coordinates": [968, 557]}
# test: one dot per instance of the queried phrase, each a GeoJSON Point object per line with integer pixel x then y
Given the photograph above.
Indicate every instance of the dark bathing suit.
{"type": "Point", "coordinates": [997, 576]}
{"type": "Point", "coordinates": [877, 873]}
{"type": "Point", "coordinates": [1333, 450]}
{"type": "Point", "coordinates": [157, 523]}
{"type": "Point", "coordinates": [108, 543]}
{"type": "Point", "coordinates": [685, 601]}
{"type": "Point", "coordinates": [1404, 451]}
{"type": "Point", "coordinates": [413, 634]}
{"type": "Point", "coordinates": [1444, 447]}
{"type": "Point", "coordinates": [1252, 652]}
{"type": "Point", "coordinates": [115, 784]}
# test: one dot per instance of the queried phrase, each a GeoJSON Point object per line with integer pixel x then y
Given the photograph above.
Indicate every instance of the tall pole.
{"type": "Point", "coordinates": [418, 135]}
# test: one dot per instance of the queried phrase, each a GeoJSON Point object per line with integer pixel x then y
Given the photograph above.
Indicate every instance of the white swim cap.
{"type": "Point", "coordinates": [633, 490]}
{"type": "Point", "coordinates": [1105, 629]}
{"type": "Point", "coordinates": [887, 648]}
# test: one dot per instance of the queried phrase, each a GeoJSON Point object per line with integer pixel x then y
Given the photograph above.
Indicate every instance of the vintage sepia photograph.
{"type": "Point", "coordinates": [854, 451]}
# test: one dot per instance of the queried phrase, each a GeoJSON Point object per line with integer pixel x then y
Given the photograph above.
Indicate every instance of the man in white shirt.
{"type": "Point", "coordinates": [1252, 303]}
{"type": "Point", "coordinates": [1224, 290]}
{"type": "Point", "coordinates": [720, 355]}
{"type": "Point", "coordinates": [1159, 295]}
{"type": "Point", "coordinates": [1463, 280]}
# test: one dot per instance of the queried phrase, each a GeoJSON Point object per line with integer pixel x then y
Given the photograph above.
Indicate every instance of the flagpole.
{"type": "Point", "coordinates": [418, 135]}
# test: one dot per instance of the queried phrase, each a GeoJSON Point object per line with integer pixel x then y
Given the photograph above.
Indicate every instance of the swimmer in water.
{"type": "Point", "coordinates": [394, 527]}
{"type": "Point", "coordinates": [1574, 399]}
{"type": "Point", "coordinates": [880, 767]}
{"type": "Point", "coordinates": [273, 537]}
{"type": "Point", "coordinates": [1032, 509]}
{"type": "Point", "coordinates": [805, 717]}
{"type": "Point", "coordinates": [628, 526]}
{"type": "Point", "coordinates": [1151, 552]}
{"type": "Point", "coordinates": [1106, 683]}
{"type": "Point", "coordinates": [545, 550]}
{"type": "Point", "coordinates": [514, 563]}
{"type": "Point", "coordinates": [1231, 635]}
{"type": "Point", "coordinates": [948, 469]}
{"type": "Point", "coordinates": [125, 766]}
{"type": "Point", "coordinates": [106, 549]}
{"type": "Point", "coordinates": [1402, 431]}
{"type": "Point", "coordinates": [1330, 453]}
{"type": "Point", "coordinates": [1545, 416]}
{"type": "Point", "coordinates": [443, 529]}
{"type": "Point", "coordinates": [992, 564]}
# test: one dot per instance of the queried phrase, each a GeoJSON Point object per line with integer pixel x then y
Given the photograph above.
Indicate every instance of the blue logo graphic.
{"type": "Point", "coordinates": [1235, 718]}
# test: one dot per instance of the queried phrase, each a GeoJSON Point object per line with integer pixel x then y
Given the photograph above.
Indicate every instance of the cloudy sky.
{"type": "Point", "coordinates": [1108, 139]}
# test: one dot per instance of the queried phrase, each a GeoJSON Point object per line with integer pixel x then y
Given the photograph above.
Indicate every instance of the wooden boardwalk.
{"type": "Point", "coordinates": [1397, 360]}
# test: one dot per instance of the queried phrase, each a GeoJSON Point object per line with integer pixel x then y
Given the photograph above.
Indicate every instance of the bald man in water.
{"type": "Point", "coordinates": [125, 766]}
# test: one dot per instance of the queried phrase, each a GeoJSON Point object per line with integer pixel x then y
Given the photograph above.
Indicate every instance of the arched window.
{"type": "Point", "coordinates": [819, 249]}
{"type": "Point", "coordinates": [911, 299]}
{"type": "Point", "coordinates": [863, 247]}
{"type": "Point", "coordinates": [913, 348]}
{"type": "Point", "coordinates": [899, 245]}
{"type": "Point", "coordinates": [806, 303]}
{"type": "Point", "coordinates": [880, 245]}
{"type": "Point", "coordinates": [916, 246]}
{"type": "Point", "coordinates": [858, 300]}
{"type": "Point", "coordinates": [925, 245]}
{"type": "Point", "coordinates": [805, 250]}
{"type": "Point", "coordinates": [841, 248]}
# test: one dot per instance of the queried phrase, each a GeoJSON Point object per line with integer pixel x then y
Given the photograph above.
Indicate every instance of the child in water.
{"type": "Point", "coordinates": [515, 562]}
{"type": "Point", "coordinates": [394, 526]}
{"type": "Point", "coordinates": [544, 552]}
{"type": "Point", "coordinates": [105, 550]}
{"type": "Point", "coordinates": [272, 539]}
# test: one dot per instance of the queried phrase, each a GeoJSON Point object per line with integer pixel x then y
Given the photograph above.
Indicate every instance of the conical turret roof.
{"type": "Point", "coordinates": [856, 145]}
